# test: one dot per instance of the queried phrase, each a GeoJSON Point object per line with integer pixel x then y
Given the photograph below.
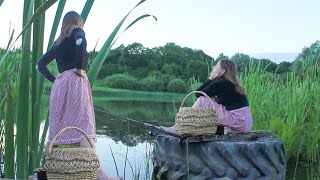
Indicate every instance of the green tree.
{"type": "Point", "coordinates": [306, 51]}
{"type": "Point", "coordinates": [197, 68]}
{"type": "Point", "coordinates": [310, 58]}
{"type": "Point", "coordinates": [151, 83]}
{"type": "Point", "coordinates": [112, 63]}
{"type": "Point", "coordinates": [172, 69]}
{"type": "Point", "coordinates": [139, 72]}
{"type": "Point", "coordinates": [296, 67]}
{"type": "Point", "coordinates": [122, 81]}
{"type": "Point", "coordinates": [222, 56]}
{"type": "Point", "coordinates": [177, 85]}
{"type": "Point", "coordinates": [283, 67]}
{"type": "Point", "coordinates": [134, 56]}
{"type": "Point", "coordinates": [268, 65]}
{"type": "Point", "coordinates": [242, 62]}
{"type": "Point", "coordinates": [172, 53]}
{"type": "Point", "coordinates": [170, 60]}
{"type": "Point", "coordinates": [166, 78]}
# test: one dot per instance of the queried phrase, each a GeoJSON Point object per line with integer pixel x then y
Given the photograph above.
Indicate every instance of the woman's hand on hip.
{"type": "Point", "coordinates": [79, 72]}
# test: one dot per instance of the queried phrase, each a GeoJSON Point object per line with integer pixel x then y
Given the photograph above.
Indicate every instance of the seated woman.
{"type": "Point", "coordinates": [229, 97]}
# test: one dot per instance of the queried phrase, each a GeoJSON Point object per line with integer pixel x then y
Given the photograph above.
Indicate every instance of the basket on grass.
{"type": "Point", "coordinates": [196, 121]}
{"type": "Point", "coordinates": [72, 163]}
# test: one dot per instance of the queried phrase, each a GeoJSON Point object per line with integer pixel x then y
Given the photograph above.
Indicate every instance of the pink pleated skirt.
{"type": "Point", "coordinates": [71, 105]}
{"type": "Point", "coordinates": [238, 120]}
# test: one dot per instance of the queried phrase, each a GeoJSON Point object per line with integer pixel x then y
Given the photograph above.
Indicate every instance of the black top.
{"type": "Point", "coordinates": [225, 92]}
{"type": "Point", "coordinates": [70, 53]}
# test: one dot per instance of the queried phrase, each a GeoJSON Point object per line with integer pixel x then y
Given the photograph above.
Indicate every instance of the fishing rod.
{"type": "Point", "coordinates": [129, 119]}
{"type": "Point", "coordinates": [140, 122]}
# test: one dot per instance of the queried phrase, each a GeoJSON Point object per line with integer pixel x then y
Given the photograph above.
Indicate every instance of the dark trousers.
{"type": "Point", "coordinates": [220, 130]}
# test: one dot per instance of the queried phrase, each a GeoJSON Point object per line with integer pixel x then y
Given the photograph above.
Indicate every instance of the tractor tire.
{"type": "Point", "coordinates": [234, 156]}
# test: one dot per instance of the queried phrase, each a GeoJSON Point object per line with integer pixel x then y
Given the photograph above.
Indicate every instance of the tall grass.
{"type": "Point", "coordinates": [27, 84]}
{"type": "Point", "coordinates": [8, 97]}
{"type": "Point", "coordinates": [9, 135]}
{"type": "Point", "coordinates": [290, 107]}
{"type": "Point", "coordinates": [141, 169]}
{"type": "Point", "coordinates": [23, 117]}
{"type": "Point", "coordinates": [37, 49]}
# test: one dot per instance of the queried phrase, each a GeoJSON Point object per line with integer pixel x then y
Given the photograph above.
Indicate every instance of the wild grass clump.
{"type": "Point", "coordinates": [290, 108]}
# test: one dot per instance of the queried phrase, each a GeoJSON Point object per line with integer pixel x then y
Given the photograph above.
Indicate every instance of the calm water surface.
{"type": "Point", "coordinates": [129, 141]}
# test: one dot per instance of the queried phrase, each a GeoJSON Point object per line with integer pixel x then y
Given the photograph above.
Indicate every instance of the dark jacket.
{"type": "Point", "coordinates": [68, 55]}
{"type": "Point", "coordinates": [225, 93]}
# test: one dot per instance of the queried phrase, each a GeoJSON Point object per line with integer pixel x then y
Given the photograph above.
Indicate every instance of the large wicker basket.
{"type": "Point", "coordinates": [72, 163]}
{"type": "Point", "coordinates": [196, 121]}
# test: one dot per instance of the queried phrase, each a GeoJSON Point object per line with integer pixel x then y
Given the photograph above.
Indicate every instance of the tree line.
{"type": "Point", "coordinates": [172, 68]}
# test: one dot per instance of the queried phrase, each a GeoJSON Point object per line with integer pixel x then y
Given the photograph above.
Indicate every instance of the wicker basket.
{"type": "Point", "coordinates": [72, 163]}
{"type": "Point", "coordinates": [196, 121]}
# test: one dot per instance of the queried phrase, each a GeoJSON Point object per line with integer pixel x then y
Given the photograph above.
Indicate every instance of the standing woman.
{"type": "Point", "coordinates": [70, 99]}
{"type": "Point", "coordinates": [229, 98]}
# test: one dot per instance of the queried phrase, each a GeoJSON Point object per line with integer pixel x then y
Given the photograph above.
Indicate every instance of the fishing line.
{"type": "Point", "coordinates": [140, 122]}
{"type": "Point", "coordinates": [129, 119]}
{"type": "Point", "coordinates": [151, 133]}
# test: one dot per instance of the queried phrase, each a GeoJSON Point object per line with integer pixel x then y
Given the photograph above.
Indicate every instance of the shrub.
{"type": "Point", "coordinates": [177, 85]}
{"type": "Point", "coordinates": [122, 81]}
{"type": "Point", "coordinates": [166, 78]}
{"type": "Point", "coordinates": [155, 73]}
{"type": "Point", "coordinates": [151, 83]}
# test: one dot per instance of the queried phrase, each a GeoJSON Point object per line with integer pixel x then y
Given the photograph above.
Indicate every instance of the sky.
{"type": "Point", "coordinates": [214, 26]}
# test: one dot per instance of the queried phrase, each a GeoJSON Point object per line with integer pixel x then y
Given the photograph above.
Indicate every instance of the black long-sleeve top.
{"type": "Point", "coordinates": [69, 54]}
{"type": "Point", "coordinates": [225, 92]}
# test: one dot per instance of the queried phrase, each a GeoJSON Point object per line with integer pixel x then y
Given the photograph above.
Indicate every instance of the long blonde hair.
{"type": "Point", "coordinates": [231, 74]}
{"type": "Point", "coordinates": [70, 21]}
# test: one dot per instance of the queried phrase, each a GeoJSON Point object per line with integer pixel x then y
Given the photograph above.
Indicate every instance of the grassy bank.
{"type": "Point", "coordinates": [102, 93]}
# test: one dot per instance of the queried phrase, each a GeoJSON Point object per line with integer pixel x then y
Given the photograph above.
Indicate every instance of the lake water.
{"type": "Point", "coordinates": [129, 141]}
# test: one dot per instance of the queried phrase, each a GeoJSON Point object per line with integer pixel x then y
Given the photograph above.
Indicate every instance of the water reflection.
{"type": "Point", "coordinates": [129, 162]}
{"type": "Point", "coordinates": [131, 133]}
{"type": "Point", "coordinates": [129, 139]}
{"type": "Point", "coordinates": [141, 110]}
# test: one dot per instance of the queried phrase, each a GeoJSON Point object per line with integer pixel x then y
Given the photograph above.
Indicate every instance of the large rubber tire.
{"type": "Point", "coordinates": [255, 159]}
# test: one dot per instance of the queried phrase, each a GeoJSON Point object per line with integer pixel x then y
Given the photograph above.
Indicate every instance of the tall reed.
{"type": "Point", "coordinates": [29, 84]}
{"type": "Point", "coordinates": [289, 106]}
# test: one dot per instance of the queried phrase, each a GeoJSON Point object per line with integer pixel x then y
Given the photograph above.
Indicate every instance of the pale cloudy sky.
{"type": "Point", "coordinates": [214, 26]}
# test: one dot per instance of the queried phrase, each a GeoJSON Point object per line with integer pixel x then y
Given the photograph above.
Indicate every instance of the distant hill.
{"type": "Point", "coordinates": [276, 57]}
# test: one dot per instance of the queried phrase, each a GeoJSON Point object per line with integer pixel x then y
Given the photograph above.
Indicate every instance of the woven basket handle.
{"type": "Point", "coordinates": [67, 128]}
{"type": "Point", "coordinates": [194, 93]}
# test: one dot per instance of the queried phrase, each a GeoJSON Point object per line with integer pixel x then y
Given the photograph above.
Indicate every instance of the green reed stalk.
{"type": "Point", "coordinates": [56, 21]}
{"type": "Point", "coordinates": [40, 86]}
{"type": "Point", "coordinates": [86, 10]}
{"type": "Point", "coordinates": [22, 137]}
{"type": "Point", "coordinates": [9, 136]}
{"type": "Point", "coordinates": [37, 48]}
